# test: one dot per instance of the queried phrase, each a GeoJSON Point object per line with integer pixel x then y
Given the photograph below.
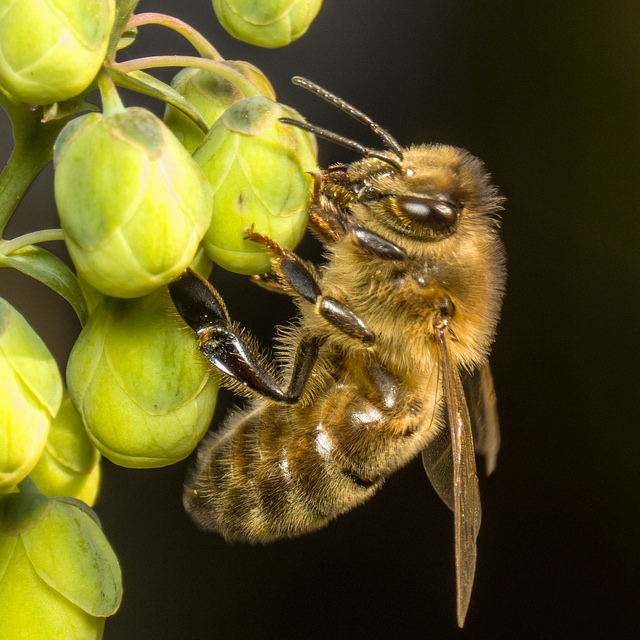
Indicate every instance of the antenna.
{"type": "Point", "coordinates": [387, 138]}
{"type": "Point", "coordinates": [345, 142]}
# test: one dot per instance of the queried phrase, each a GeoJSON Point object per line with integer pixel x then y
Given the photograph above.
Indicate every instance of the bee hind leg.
{"type": "Point", "coordinates": [202, 308]}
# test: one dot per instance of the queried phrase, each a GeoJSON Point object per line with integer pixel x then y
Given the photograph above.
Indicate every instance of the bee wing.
{"type": "Point", "coordinates": [466, 492]}
{"type": "Point", "coordinates": [483, 407]}
{"type": "Point", "coordinates": [483, 410]}
{"type": "Point", "coordinates": [438, 463]}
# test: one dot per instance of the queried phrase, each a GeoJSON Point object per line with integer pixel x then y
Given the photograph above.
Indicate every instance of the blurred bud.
{"type": "Point", "coordinates": [259, 169]}
{"type": "Point", "coordinates": [202, 264]}
{"type": "Point", "coordinates": [30, 396]}
{"type": "Point", "coordinates": [270, 23]}
{"type": "Point", "coordinates": [59, 577]}
{"type": "Point", "coordinates": [92, 296]}
{"type": "Point", "coordinates": [211, 95]}
{"type": "Point", "coordinates": [132, 202]}
{"type": "Point", "coordinates": [69, 465]}
{"type": "Point", "coordinates": [144, 391]}
{"type": "Point", "coordinates": [51, 50]}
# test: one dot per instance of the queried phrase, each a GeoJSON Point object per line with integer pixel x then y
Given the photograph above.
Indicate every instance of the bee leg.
{"type": "Point", "coordinates": [202, 308]}
{"type": "Point", "coordinates": [333, 191]}
{"type": "Point", "coordinates": [375, 245]}
{"type": "Point", "coordinates": [323, 228]}
{"type": "Point", "coordinates": [269, 281]}
{"type": "Point", "coordinates": [327, 220]}
{"type": "Point", "coordinates": [296, 276]}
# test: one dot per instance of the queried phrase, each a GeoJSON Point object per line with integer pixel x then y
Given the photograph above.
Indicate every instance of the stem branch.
{"type": "Point", "coordinates": [44, 235]}
{"type": "Point", "coordinates": [220, 68]}
{"type": "Point", "coordinates": [199, 42]}
{"type": "Point", "coordinates": [111, 101]}
{"type": "Point", "coordinates": [33, 149]}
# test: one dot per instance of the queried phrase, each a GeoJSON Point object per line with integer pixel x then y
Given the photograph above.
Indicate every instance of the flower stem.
{"type": "Point", "coordinates": [27, 485]}
{"type": "Point", "coordinates": [111, 102]}
{"type": "Point", "coordinates": [32, 151]}
{"type": "Point", "coordinates": [220, 68]}
{"type": "Point", "coordinates": [199, 42]}
{"type": "Point", "coordinates": [44, 235]}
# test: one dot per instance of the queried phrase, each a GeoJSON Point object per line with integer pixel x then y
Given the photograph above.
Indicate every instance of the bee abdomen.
{"type": "Point", "coordinates": [281, 471]}
{"type": "Point", "coordinates": [257, 483]}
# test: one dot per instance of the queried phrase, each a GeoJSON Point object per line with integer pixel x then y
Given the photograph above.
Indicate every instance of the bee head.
{"type": "Point", "coordinates": [435, 188]}
{"type": "Point", "coordinates": [423, 192]}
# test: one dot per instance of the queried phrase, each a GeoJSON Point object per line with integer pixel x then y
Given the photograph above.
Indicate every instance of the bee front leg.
{"type": "Point", "coordinates": [375, 245]}
{"type": "Point", "coordinates": [202, 308]}
{"type": "Point", "coordinates": [293, 275]}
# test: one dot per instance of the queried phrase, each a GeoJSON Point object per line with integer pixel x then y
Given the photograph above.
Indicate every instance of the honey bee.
{"type": "Point", "coordinates": [391, 329]}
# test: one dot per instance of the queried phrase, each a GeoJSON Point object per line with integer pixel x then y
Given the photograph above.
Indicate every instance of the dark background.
{"type": "Point", "coordinates": [547, 93]}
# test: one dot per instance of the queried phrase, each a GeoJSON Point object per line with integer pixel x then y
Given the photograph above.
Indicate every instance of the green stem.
{"type": "Point", "coordinates": [199, 42]}
{"type": "Point", "coordinates": [124, 9]}
{"type": "Point", "coordinates": [111, 102]}
{"type": "Point", "coordinates": [27, 485]}
{"type": "Point", "coordinates": [7, 247]}
{"type": "Point", "coordinates": [220, 68]}
{"type": "Point", "coordinates": [33, 149]}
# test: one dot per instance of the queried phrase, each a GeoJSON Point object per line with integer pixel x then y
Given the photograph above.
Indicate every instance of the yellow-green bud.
{"type": "Point", "coordinates": [133, 203]}
{"type": "Point", "coordinates": [258, 168]}
{"type": "Point", "coordinates": [211, 95]}
{"type": "Point", "coordinates": [59, 577]}
{"type": "Point", "coordinates": [69, 464]}
{"type": "Point", "coordinates": [144, 391]}
{"type": "Point", "coordinates": [51, 50]}
{"type": "Point", "coordinates": [30, 396]}
{"type": "Point", "coordinates": [268, 23]}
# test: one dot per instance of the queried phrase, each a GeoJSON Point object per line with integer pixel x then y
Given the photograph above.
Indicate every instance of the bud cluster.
{"type": "Point", "coordinates": [140, 199]}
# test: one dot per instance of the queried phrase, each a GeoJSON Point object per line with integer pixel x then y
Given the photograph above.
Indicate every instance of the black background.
{"type": "Point", "coordinates": [547, 93]}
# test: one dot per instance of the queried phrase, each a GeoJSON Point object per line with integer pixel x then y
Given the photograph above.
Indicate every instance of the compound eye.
{"type": "Point", "coordinates": [435, 215]}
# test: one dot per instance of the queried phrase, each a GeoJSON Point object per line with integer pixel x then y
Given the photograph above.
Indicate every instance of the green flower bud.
{"type": "Point", "coordinates": [30, 396]}
{"type": "Point", "coordinates": [132, 202]}
{"type": "Point", "coordinates": [269, 23]}
{"type": "Point", "coordinates": [145, 393]}
{"type": "Point", "coordinates": [59, 577]}
{"type": "Point", "coordinates": [51, 50]}
{"type": "Point", "coordinates": [259, 169]}
{"type": "Point", "coordinates": [211, 95]}
{"type": "Point", "coordinates": [69, 465]}
{"type": "Point", "coordinates": [259, 80]}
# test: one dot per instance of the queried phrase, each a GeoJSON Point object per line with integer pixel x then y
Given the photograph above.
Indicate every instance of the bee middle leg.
{"type": "Point", "coordinates": [295, 276]}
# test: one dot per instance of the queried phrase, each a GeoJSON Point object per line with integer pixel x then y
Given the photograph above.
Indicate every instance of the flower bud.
{"type": "Point", "coordinates": [145, 393]}
{"type": "Point", "coordinates": [133, 203]}
{"type": "Point", "coordinates": [69, 464]}
{"type": "Point", "coordinates": [51, 50]}
{"type": "Point", "coordinates": [59, 577]}
{"type": "Point", "coordinates": [211, 95]}
{"type": "Point", "coordinates": [270, 23]}
{"type": "Point", "coordinates": [258, 168]}
{"type": "Point", "coordinates": [30, 396]}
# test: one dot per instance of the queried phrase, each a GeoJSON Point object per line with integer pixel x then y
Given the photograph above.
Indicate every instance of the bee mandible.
{"type": "Point", "coordinates": [391, 330]}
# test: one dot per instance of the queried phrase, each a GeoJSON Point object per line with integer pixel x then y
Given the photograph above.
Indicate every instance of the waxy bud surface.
{"type": "Point", "coordinates": [69, 464]}
{"type": "Point", "coordinates": [268, 23]}
{"type": "Point", "coordinates": [211, 95]}
{"type": "Point", "coordinates": [145, 393]}
{"type": "Point", "coordinates": [30, 396]}
{"type": "Point", "coordinates": [259, 170]}
{"type": "Point", "coordinates": [51, 50]}
{"type": "Point", "coordinates": [132, 202]}
{"type": "Point", "coordinates": [59, 577]}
